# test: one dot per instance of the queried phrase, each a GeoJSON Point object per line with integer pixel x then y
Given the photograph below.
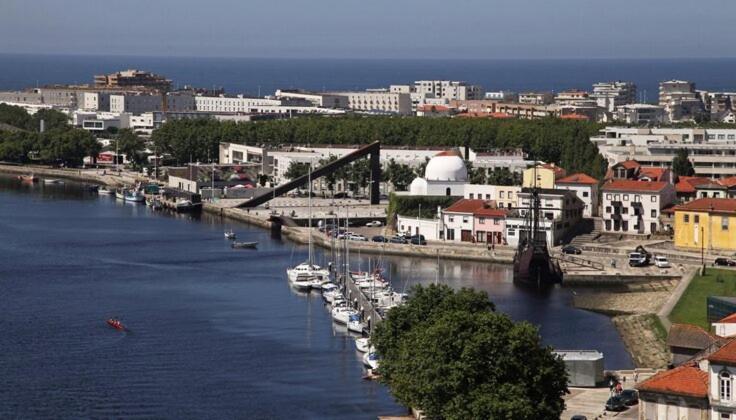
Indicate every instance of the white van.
{"type": "Point", "coordinates": [637, 259]}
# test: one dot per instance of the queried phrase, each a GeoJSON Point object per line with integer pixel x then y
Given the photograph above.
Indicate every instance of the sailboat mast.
{"type": "Point", "coordinates": [309, 177]}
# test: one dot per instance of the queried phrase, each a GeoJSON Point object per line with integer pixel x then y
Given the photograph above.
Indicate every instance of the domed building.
{"type": "Point", "coordinates": [445, 174]}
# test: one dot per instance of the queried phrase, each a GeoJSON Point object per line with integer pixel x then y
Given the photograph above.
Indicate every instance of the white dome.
{"type": "Point", "coordinates": [446, 166]}
{"type": "Point", "coordinates": [418, 187]}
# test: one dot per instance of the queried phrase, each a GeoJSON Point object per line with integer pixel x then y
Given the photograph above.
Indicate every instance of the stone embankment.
{"type": "Point", "coordinates": [96, 176]}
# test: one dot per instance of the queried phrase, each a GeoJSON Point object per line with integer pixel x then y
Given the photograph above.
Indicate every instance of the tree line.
{"type": "Point", "coordinates": [567, 143]}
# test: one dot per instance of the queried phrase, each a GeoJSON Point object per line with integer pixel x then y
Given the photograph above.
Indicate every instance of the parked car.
{"type": "Point", "coordinates": [661, 261]}
{"type": "Point", "coordinates": [630, 396]}
{"type": "Point", "coordinates": [397, 240]}
{"type": "Point", "coordinates": [374, 223]}
{"type": "Point", "coordinates": [571, 249]}
{"type": "Point", "coordinates": [615, 403]}
{"type": "Point", "coordinates": [725, 261]}
{"type": "Point", "coordinates": [418, 240]}
{"type": "Point", "coordinates": [345, 234]}
{"type": "Point", "coordinates": [637, 259]}
{"type": "Point", "coordinates": [356, 237]}
{"type": "Point", "coordinates": [379, 238]}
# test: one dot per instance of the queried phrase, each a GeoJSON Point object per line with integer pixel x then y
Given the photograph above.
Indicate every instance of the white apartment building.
{"type": "Point", "coordinates": [447, 89]}
{"type": "Point", "coordinates": [515, 160]}
{"type": "Point", "coordinates": [573, 97]}
{"type": "Point", "coordinates": [227, 104]}
{"type": "Point", "coordinates": [536, 98]}
{"type": "Point", "coordinates": [502, 96]}
{"type": "Point", "coordinates": [712, 150]}
{"type": "Point", "coordinates": [135, 104]}
{"type": "Point", "coordinates": [633, 207]}
{"type": "Point", "coordinates": [322, 100]}
{"type": "Point", "coordinates": [93, 101]}
{"type": "Point", "coordinates": [560, 212]}
{"type": "Point", "coordinates": [611, 95]}
{"type": "Point", "coordinates": [585, 187]}
{"type": "Point", "coordinates": [379, 101]}
{"type": "Point", "coordinates": [680, 100]}
{"type": "Point", "coordinates": [505, 196]}
{"type": "Point", "coordinates": [640, 114]}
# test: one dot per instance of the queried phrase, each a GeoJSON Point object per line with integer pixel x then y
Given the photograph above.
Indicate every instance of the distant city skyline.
{"type": "Point", "coordinates": [377, 29]}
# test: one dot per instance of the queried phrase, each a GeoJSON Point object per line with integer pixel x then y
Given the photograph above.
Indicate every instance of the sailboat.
{"type": "Point", "coordinates": [533, 264]}
{"type": "Point", "coordinates": [306, 274]}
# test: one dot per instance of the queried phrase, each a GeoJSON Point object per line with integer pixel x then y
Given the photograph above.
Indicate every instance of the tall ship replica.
{"type": "Point", "coordinates": [533, 265]}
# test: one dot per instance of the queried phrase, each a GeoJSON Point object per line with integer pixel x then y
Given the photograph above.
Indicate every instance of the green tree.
{"type": "Point", "coordinates": [502, 176]}
{"type": "Point", "coordinates": [681, 164]}
{"type": "Point", "coordinates": [52, 119]}
{"type": "Point", "coordinates": [15, 116]}
{"type": "Point", "coordinates": [296, 170]}
{"type": "Point", "coordinates": [399, 175]}
{"type": "Point", "coordinates": [450, 354]}
{"type": "Point", "coordinates": [130, 144]}
{"type": "Point", "coordinates": [331, 178]}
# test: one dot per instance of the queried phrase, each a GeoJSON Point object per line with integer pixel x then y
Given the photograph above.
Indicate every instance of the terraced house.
{"type": "Point", "coordinates": [706, 223]}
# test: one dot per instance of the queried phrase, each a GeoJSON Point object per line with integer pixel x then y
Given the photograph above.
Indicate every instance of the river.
{"type": "Point", "coordinates": [214, 332]}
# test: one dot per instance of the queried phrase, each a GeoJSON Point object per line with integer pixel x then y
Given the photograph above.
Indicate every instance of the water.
{"type": "Point", "coordinates": [254, 75]}
{"type": "Point", "coordinates": [215, 332]}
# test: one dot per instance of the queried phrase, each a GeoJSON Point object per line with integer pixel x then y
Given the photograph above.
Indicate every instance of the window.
{"type": "Point", "coordinates": [624, 210]}
{"type": "Point", "coordinates": [500, 194]}
{"type": "Point", "coordinates": [654, 199]}
{"type": "Point", "coordinates": [608, 209]}
{"type": "Point", "coordinates": [585, 193]}
{"type": "Point", "coordinates": [654, 213]}
{"type": "Point", "coordinates": [482, 220]}
{"type": "Point", "coordinates": [626, 197]}
{"type": "Point", "coordinates": [725, 386]}
{"type": "Point", "coordinates": [724, 222]}
{"type": "Point", "coordinates": [465, 219]}
{"type": "Point", "coordinates": [451, 219]}
{"type": "Point", "coordinates": [488, 196]}
{"type": "Point", "coordinates": [496, 221]}
{"type": "Point", "coordinates": [511, 195]}
{"type": "Point", "coordinates": [450, 234]}
{"type": "Point", "coordinates": [608, 196]}
{"type": "Point", "coordinates": [448, 192]}
{"type": "Point", "coordinates": [696, 218]}
{"type": "Point", "coordinates": [471, 196]}
{"type": "Point", "coordinates": [686, 218]}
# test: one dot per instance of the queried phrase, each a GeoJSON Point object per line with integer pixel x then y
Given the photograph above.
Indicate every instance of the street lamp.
{"type": "Point", "coordinates": [702, 251]}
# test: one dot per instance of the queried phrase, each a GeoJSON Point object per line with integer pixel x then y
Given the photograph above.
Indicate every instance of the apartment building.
{"type": "Point", "coordinates": [447, 89]}
{"type": "Point", "coordinates": [633, 207]}
{"type": "Point", "coordinates": [321, 100]}
{"type": "Point", "coordinates": [680, 100]}
{"type": "Point", "coordinates": [536, 98]}
{"type": "Point", "coordinates": [561, 211]}
{"type": "Point", "coordinates": [611, 95]}
{"type": "Point", "coordinates": [132, 78]}
{"type": "Point", "coordinates": [231, 104]}
{"type": "Point", "coordinates": [640, 114]}
{"type": "Point", "coordinates": [572, 97]}
{"type": "Point", "coordinates": [585, 187]}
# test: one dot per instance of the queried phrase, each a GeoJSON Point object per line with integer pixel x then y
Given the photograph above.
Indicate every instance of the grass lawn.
{"type": "Point", "coordinates": [691, 308]}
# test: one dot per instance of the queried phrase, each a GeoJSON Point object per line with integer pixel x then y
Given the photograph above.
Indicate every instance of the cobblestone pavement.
{"type": "Point", "coordinates": [591, 402]}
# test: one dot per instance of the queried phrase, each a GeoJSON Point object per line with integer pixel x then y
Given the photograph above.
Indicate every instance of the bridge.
{"type": "Point", "coordinates": [372, 150]}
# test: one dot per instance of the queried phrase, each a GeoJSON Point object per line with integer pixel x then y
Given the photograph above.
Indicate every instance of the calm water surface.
{"type": "Point", "coordinates": [215, 332]}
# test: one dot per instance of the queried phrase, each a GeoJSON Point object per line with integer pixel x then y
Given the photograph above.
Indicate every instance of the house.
{"type": "Point", "coordinates": [586, 188]}
{"type": "Point", "coordinates": [685, 341]}
{"type": "Point", "coordinates": [228, 179]}
{"type": "Point", "coordinates": [685, 187]}
{"type": "Point", "coordinates": [706, 223]}
{"type": "Point", "coordinates": [627, 169]}
{"type": "Point", "coordinates": [725, 327]}
{"type": "Point", "coordinates": [680, 393]}
{"type": "Point", "coordinates": [633, 207]}
{"type": "Point", "coordinates": [712, 189]}
{"type": "Point", "coordinates": [473, 221]}
{"type": "Point", "coordinates": [489, 225]}
{"type": "Point", "coordinates": [561, 211]}
{"type": "Point", "coordinates": [633, 170]}
{"type": "Point", "coordinates": [542, 176]}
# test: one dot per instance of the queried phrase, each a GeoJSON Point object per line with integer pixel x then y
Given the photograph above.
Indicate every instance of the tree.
{"type": "Point", "coordinates": [131, 145]}
{"type": "Point", "coordinates": [502, 176]}
{"type": "Point", "coordinates": [331, 178]}
{"type": "Point", "coordinates": [52, 119]}
{"type": "Point", "coordinates": [450, 354]}
{"type": "Point", "coordinates": [296, 170]}
{"type": "Point", "coordinates": [681, 164]}
{"type": "Point", "coordinates": [399, 175]}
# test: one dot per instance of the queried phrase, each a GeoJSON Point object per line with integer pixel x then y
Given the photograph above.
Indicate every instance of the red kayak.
{"type": "Point", "coordinates": [116, 324]}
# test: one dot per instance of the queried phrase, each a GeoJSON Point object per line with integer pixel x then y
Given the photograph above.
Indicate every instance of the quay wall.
{"type": "Point", "coordinates": [614, 279]}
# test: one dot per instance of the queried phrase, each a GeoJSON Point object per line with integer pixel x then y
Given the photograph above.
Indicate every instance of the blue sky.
{"type": "Point", "coordinates": [372, 28]}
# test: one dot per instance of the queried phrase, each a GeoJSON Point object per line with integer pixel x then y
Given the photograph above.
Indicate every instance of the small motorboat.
{"type": "Point", "coordinates": [363, 344]}
{"type": "Point", "coordinates": [28, 178]}
{"type": "Point", "coordinates": [105, 191]}
{"type": "Point", "coordinates": [184, 206]}
{"type": "Point", "coordinates": [120, 194]}
{"type": "Point", "coordinates": [244, 245]}
{"type": "Point", "coordinates": [52, 181]}
{"type": "Point", "coordinates": [354, 324]}
{"type": "Point", "coordinates": [115, 323]}
{"type": "Point", "coordinates": [133, 196]}
{"type": "Point", "coordinates": [230, 235]}
{"type": "Point", "coordinates": [371, 360]}
{"type": "Point", "coordinates": [92, 188]}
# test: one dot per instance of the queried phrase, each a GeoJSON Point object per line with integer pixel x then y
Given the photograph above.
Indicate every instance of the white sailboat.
{"type": "Point", "coordinates": [308, 271]}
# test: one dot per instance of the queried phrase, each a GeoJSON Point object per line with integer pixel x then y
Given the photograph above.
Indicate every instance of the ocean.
{"type": "Point", "coordinates": [255, 76]}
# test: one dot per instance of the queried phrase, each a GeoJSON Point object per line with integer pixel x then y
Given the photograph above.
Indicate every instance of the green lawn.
{"type": "Point", "coordinates": [691, 308]}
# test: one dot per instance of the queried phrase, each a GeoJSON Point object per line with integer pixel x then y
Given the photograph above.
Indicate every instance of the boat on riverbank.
{"type": "Point", "coordinates": [52, 181]}
{"type": "Point", "coordinates": [28, 178]}
{"type": "Point", "coordinates": [244, 245]}
{"type": "Point", "coordinates": [134, 196]}
{"type": "Point", "coordinates": [105, 191]}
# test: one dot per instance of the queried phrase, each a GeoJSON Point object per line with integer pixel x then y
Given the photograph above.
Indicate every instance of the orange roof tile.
{"type": "Point", "coordinates": [577, 117]}
{"type": "Point", "coordinates": [629, 164]}
{"type": "Point", "coordinates": [686, 380]}
{"type": "Point", "coordinates": [630, 185]}
{"type": "Point", "coordinates": [728, 182]}
{"type": "Point", "coordinates": [713, 205]}
{"type": "Point", "coordinates": [731, 319]}
{"type": "Point", "coordinates": [433, 108]}
{"type": "Point", "coordinates": [686, 184]}
{"type": "Point", "coordinates": [689, 336]}
{"type": "Point", "coordinates": [579, 178]}
{"type": "Point", "coordinates": [655, 174]}
{"type": "Point", "coordinates": [725, 355]}
{"type": "Point", "coordinates": [475, 207]}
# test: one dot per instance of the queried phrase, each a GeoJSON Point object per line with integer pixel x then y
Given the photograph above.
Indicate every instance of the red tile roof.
{"type": "Point", "coordinates": [686, 380]}
{"type": "Point", "coordinates": [433, 108]}
{"type": "Point", "coordinates": [559, 172]}
{"type": "Point", "coordinates": [712, 205]}
{"type": "Point", "coordinates": [629, 164]}
{"type": "Point", "coordinates": [729, 182]}
{"type": "Point", "coordinates": [654, 174]}
{"type": "Point", "coordinates": [579, 178]}
{"type": "Point", "coordinates": [725, 355]}
{"type": "Point", "coordinates": [475, 207]}
{"type": "Point", "coordinates": [630, 185]}
{"type": "Point", "coordinates": [731, 319]}
{"type": "Point", "coordinates": [686, 184]}
{"type": "Point", "coordinates": [690, 337]}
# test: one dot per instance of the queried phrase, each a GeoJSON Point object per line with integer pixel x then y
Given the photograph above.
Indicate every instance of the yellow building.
{"type": "Point", "coordinates": [543, 176]}
{"type": "Point", "coordinates": [708, 223]}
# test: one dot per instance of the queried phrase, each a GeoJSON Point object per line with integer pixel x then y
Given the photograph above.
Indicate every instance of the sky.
{"type": "Point", "coordinates": [493, 29]}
